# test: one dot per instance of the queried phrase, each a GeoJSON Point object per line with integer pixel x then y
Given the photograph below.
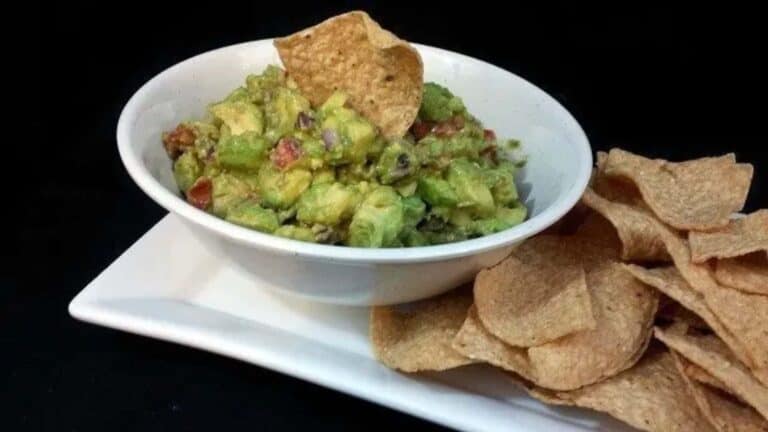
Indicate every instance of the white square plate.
{"type": "Point", "coordinates": [167, 286]}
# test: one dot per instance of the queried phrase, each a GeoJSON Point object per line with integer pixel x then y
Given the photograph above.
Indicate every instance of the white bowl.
{"type": "Point", "coordinates": [557, 172]}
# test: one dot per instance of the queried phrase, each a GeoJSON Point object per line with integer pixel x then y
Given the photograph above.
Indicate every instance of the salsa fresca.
{"type": "Point", "coordinates": [267, 160]}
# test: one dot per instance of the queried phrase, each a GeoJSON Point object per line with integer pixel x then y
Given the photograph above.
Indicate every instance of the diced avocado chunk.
{"type": "Point", "coordinates": [312, 154]}
{"type": "Point", "coordinates": [186, 169]}
{"type": "Point", "coordinates": [282, 110]}
{"type": "Point", "coordinates": [449, 235]}
{"type": "Point", "coordinates": [239, 116]}
{"type": "Point", "coordinates": [228, 191]}
{"type": "Point", "coordinates": [503, 219]}
{"type": "Point", "coordinates": [250, 214]}
{"type": "Point", "coordinates": [296, 233]}
{"type": "Point", "coordinates": [259, 86]}
{"type": "Point", "coordinates": [280, 189]}
{"type": "Point", "coordinates": [442, 213]}
{"type": "Point", "coordinates": [249, 177]}
{"type": "Point", "coordinates": [360, 135]}
{"type": "Point", "coordinates": [466, 180]}
{"type": "Point", "coordinates": [327, 204]}
{"type": "Point", "coordinates": [439, 104]}
{"type": "Point", "coordinates": [437, 192]}
{"type": "Point", "coordinates": [356, 136]}
{"type": "Point", "coordinates": [286, 214]}
{"type": "Point", "coordinates": [206, 136]}
{"type": "Point", "coordinates": [413, 211]}
{"type": "Point", "coordinates": [313, 148]}
{"type": "Point", "coordinates": [238, 94]}
{"type": "Point", "coordinates": [411, 237]}
{"type": "Point", "coordinates": [211, 170]}
{"type": "Point", "coordinates": [327, 175]}
{"type": "Point", "coordinates": [407, 187]}
{"type": "Point", "coordinates": [335, 100]}
{"type": "Point", "coordinates": [245, 151]}
{"type": "Point", "coordinates": [355, 173]}
{"type": "Point", "coordinates": [464, 146]}
{"type": "Point", "coordinates": [378, 221]}
{"type": "Point", "coordinates": [398, 161]}
{"type": "Point", "coordinates": [512, 215]}
{"type": "Point", "coordinates": [503, 188]}
{"type": "Point", "coordinates": [460, 217]}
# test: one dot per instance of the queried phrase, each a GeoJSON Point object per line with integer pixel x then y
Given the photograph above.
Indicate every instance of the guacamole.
{"type": "Point", "coordinates": [268, 160]}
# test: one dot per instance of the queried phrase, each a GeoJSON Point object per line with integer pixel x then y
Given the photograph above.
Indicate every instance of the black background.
{"type": "Point", "coordinates": [666, 83]}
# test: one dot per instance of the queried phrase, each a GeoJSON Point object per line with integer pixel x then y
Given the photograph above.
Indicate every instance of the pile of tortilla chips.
{"type": "Point", "coordinates": [652, 251]}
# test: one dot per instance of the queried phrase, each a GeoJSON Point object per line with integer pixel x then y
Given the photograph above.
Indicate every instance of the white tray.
{"type": "Point", "coordinates": [168, 287]}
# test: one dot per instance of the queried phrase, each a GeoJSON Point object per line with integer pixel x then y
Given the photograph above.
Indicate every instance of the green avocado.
{"type": "Point", "coordinates": [324, 173]}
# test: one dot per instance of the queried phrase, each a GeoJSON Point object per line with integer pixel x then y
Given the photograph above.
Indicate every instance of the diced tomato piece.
{"type": "Point", "coordinates": [200, 193]}
{"type": "Point", "coordinates": [490, 153]}
{"type": "Point", "coordinates": [286, 152]}
{"type": "Point", "coordinates": [178, 140]}
{"type": "Point", "coordinates": [420, 129]}
{"type": "Point", "coordinates": [445, 129]}
{"type": "Point", "coordinates": [489, 135]}
{"type": "Point", "coordinates": [449, 127]}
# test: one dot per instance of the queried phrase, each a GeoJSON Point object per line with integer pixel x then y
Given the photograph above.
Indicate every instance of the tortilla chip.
{"type": "Point", "coordinates": [572, 220]}
{"type": "Point", "coordinates": [744, 315]}
{"type": "Point", "coordinates": [417, 336]}
{"type": "Point", "coordinates": [740, 237]}
{"type": "Point", "coordinates": [669, 281]}
{"type": "Point", "coordinates": [598, 232]}
{"type": "Point", "coordinates": [381, 74]}
{"type": "Point", "coordinates": [674, 312]}
{"type": "Point", "coordinates": [635, 228]}
{"type": "Point", "coordinates": [474, 341]}
{"type": "Point", "coordinates": [696, 373]}
{"type": "Point", "coordinates": [712, 355]}
{"type": "Point", "coordinates": [623, 309]}
{"type": "Point", "coordinates": [699, 194]}
{"type": "Point", "coordinates": [536, 295]}
{"type": "Point", "coordinates": [600, 158]}
{"type": "Point", "coordinates": [748, 273]}
{"type": "Point", "coordinates": [725, 414]}
{"type": "Point", "coordinates": [616, 189]}
{"type": "Point", "coordinates": [651, 396]}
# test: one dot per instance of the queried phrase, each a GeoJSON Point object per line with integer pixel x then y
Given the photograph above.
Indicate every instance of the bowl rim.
{"type": "Point", "coordinates": [268, 242]}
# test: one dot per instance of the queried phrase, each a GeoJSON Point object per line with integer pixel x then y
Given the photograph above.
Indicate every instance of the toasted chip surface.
{"type": "Point", "coordinates": [725, 414]}
{"type": "Point", "coordinates": [651, 396]}
{"type": "Point", "coordinates": [382, 75]}
{"type": "Point", "coordinates": [623, 309]}
{"type": "Point", "coordinates": [536, 295]}
{"type": "Point", "coordinates": [740, 237]}
{"type": "Point", "coordinates": [674, 312]}
{"type": "Point", "coordinates": [417, 336]}
{"type": "Point", "coordinates": [712, 355]}
{"type": "Point", "coordinates": [744, 315]}
{"type": "Point", "coordinates": [696, 373]}
{"type": "Point", "coordinates": [639, 238]}
{"type": "Point", "coordinates": [476, 342]}
{"type": "Point", "coordinates": [614, 188]}
{"type": "Point", "coordinates": [699, 194]}
{"type": "Point", "coordinates": [748, 273]}
{"type": "Point", "coordinates": [669, 281]}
